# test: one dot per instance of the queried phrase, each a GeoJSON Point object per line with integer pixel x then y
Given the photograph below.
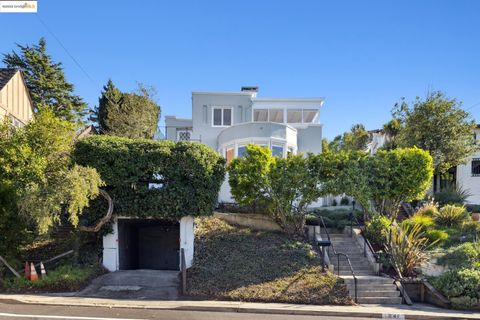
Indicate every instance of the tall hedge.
{"type": "Point", "coordinates": [188, 175]}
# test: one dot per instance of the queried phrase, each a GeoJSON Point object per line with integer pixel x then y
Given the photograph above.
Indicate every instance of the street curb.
{"type": "Point", "coordinates": [236, 307]}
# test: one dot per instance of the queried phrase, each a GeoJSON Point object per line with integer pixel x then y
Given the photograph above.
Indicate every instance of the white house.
{"type": "Point", "coordinates": [228, 121]}
{"type": "Point", "coordinates": [465, 176]}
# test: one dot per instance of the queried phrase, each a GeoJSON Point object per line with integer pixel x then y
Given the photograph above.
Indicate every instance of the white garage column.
{"type": "Point", "coordinates": [186, 240]}
{"type": "Point", "coordinates": [110, 249]}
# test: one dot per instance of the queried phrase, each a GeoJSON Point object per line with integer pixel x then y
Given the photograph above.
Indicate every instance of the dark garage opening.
{"type": "Point", "coordinates": [148, 244]}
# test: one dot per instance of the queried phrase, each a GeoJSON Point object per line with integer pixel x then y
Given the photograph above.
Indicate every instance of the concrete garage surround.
{"type": "Point", "coordinates": [115, 258]}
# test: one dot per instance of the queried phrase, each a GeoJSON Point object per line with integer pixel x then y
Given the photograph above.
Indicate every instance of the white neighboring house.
{"type": "Point", "coordinates": [228, 121]}
{"type": "Point", "coordinates": [465, 176]}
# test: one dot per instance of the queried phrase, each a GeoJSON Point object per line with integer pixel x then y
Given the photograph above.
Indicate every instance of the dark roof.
{"type": "Point", "coordinates": [85, 132]}
{"type": "Point", "coordinates": [5, 75]}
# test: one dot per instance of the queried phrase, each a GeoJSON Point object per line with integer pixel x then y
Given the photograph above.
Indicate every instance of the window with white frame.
{"type": "Point", "coordinates": [15, 122]}
{"type": "Point", "coordinates": [277, 151]}
{"type": "Point", "coordinates": [476, 167]}
{"type": "Point", "coordinates": [260, 115]}
{"type": "Point", "coordinates": [221, 117]}
{"type": "Point", "coordinates": [241, 151]}
{"type": "Point", "coordinates": [294, 116]}
{"type": "Point", "coordinates": [309, 115]}
{"type": "Point", "coordinates": [275, 115]}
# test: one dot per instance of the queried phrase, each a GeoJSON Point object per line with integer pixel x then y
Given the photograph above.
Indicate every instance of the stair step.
{"type": "Point", "coordinates": [370, 280]}
{"type": "Point", "coordinates": [372, 287]}
{"type": "Point", "coordinates": [380, 300]}
{"type": "Point", "coordinates": [373, 294]}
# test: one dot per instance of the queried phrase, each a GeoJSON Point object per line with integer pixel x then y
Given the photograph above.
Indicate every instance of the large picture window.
{"type": "Point", "coordinates": [260, 115]}
{"type": "Point", "coordinates": [222, 117]}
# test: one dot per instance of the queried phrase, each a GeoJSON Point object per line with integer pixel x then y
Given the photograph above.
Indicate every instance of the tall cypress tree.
{"type": "Point", "coordinates": [131, 115]}
{"type": "Point", "coordinates": [46, 82]}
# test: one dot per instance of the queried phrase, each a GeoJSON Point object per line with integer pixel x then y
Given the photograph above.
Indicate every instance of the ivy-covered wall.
{"type": "Point", "coordinates": [188, 175]}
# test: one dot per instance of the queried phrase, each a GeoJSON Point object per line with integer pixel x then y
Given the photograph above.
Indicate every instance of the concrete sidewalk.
{"type": "Point", "coordinates": [417, 311]}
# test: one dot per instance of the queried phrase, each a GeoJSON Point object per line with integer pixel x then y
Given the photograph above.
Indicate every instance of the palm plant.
{"type": "Point", "coordinates": [451, 215]}
{"type": "Point", "coordinates": [408, 247]}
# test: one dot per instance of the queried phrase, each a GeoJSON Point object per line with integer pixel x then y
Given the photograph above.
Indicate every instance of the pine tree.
{"type": "Point", "coordinates": [46, 82]}
{"type": "Point", "coordinates": [131, 115]}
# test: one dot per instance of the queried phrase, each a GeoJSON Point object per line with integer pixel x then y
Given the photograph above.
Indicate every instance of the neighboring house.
{"type": "Point", "coordinates": [86, 132]}
{"type": "Point", "coordinates": [228, 121]}
{"type": "Point", "coordinates": [15, 101]}
{"type": "Point", "coordinates": [465, 176]}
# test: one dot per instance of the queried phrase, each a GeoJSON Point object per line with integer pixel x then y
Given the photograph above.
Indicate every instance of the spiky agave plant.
{"type": "Point", "coordinates": [408, 247]}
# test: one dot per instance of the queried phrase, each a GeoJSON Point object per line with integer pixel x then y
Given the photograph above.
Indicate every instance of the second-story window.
{"type": "Point", "coordinates": [222, 117]}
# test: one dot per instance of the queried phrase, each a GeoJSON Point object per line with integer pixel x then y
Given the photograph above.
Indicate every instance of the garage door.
{"type": "Point", "coordinates": [148, 244]}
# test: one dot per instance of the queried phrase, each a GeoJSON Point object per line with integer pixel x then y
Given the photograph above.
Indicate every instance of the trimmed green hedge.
{"type": "Point", "coordinates": [190, 175]}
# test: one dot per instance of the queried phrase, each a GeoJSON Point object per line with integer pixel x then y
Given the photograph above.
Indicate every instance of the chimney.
{"type": "Point", "coordinates": [251, 89]}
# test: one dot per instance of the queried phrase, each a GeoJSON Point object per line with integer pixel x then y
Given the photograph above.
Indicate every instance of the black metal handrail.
{"type": "Point", "coordinates": [338, 254]}
{"type": "Point", "coordinates": [366, 243]}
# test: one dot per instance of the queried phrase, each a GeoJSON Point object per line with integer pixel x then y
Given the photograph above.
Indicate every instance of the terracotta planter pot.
{"type": "Point", "coordinates": [476, 217]}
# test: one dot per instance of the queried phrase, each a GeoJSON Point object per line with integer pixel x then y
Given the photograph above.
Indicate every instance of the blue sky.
{"type": "Point", "coordinates": [362, 56]}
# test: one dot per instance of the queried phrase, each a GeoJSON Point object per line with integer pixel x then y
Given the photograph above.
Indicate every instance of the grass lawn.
{"type": "Point", "coordinates": [234, 263]}
{"type": "Point", "coordinates": [64, 278]}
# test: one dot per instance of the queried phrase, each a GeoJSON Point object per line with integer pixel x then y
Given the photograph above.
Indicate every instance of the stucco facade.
{"type": "Point", "coordinates": [228, 121]}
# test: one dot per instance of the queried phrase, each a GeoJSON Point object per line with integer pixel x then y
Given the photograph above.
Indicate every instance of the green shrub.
{"type": "Point", "coordinates": [377, 230]}
{"type": "Point", "coordinates": [451, 215]}
{"type": "Point", "coordinates": [425, 222]}
{"type": "Point", "coordinates": [312, 220]}
{"type": "Point", "coordinates": [455, 195]}
{"type": "Point", "coordinates": [12, 226]}
{"type": "Point", "coordinates": [436, 236]}
{"type": "Point", "coordinates": [465, 255]}
{"type": "Point", "coordinates": [471, 230]}
{"type": "Point", "coordinates": [337, 218]}
{"type": "Point", "coordinates": [344, 201]}
{"type": "Point", "coordinates": [461, 286]}
{"type": "Point", "coordinates": [429, 210]}
{"type": "Point", "coordinates": [408, 248]}
{"type": "Point", "coordinates": [188, 175]}
{"type": "Point", "coordinates": [62, 279]}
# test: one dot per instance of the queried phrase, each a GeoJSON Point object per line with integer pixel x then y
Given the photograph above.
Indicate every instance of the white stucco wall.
{"type": "Point", "coordinates": [111, 249]}
{"type": "Point", "coordinates": [187, 239]}
{"type": "Point", "coordinates": [467, 181]}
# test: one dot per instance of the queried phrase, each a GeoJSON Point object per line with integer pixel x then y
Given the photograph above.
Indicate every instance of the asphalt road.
{"type": "Point", "coordinates": [44, 312]}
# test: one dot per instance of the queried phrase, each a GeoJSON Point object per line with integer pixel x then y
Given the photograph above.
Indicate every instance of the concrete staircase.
{"type": "Point", "coordinates": [370, 287]}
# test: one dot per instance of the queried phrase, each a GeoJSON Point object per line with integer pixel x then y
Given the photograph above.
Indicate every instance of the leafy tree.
{"type": "Point", "coordinates": [391, 130]}
{"type": "Point", "coordinates": [46, 82]}
{"type": "Point", "coordinates": [12, 227]}
{"type": "Point", "coordinates": [130, 115]}
{"type": "Point", "coordinates": [35, 162]}
{"type": "Point", "coordinates": [285, 186]}
{"type": "Point", "coordinates": [380, 182]}
{"type": "Point", "coordinates": [343, 172]}
{"type": "Point", "coordinates": [398, 176]}
{"type": "Point", "coordinates": [439, 125]}
{"type": "Point", "coordinates": [357, 139]}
